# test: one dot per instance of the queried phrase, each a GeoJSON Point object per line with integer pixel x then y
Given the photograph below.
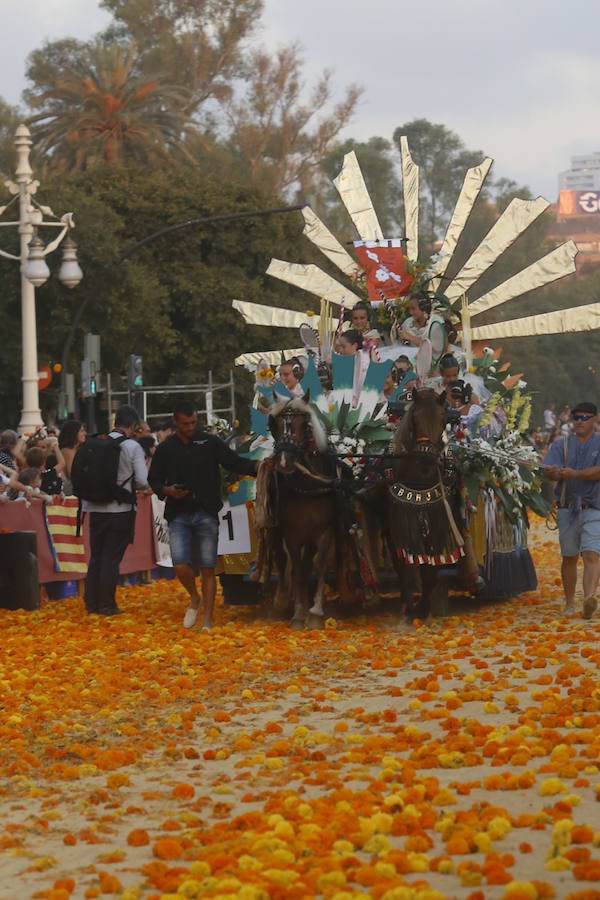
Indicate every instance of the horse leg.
{"type": "Point", "coordinates": [322, 559]}
{"type": "Point", "coordinates": [282, 598]}
{"type": "Point", "coordinates": [429, 580]}
{"type": "Point", "coordinates": [298, 585]}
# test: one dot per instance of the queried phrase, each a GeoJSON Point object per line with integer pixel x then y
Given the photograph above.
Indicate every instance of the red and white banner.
{"type": "Point", "coordinates": [383, 262]}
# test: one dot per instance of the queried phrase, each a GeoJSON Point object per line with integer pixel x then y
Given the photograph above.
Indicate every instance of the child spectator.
{"type": "Point", "coordinates": [49, 467]}
{"type": "Point", "coordinates": [32, 477]}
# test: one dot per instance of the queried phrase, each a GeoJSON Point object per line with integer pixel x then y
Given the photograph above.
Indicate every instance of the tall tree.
{"type": "Point", "coordinates": [280, 138]}
{"type": "Point", "coordinates": [97, 106]}
{"type": "Point", "coordinates": [443, 160]}
{"type": "Point", "coordinates": [197, 43]}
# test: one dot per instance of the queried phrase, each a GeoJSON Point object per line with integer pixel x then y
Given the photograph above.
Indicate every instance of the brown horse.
{"type": "Point", "coordinates": [302, 519]}
{"type": "Point", "coordinates": [421, 522]}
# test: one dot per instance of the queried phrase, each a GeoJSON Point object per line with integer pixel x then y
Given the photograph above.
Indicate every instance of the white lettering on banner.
{"type": "Point", "coordinates": [590, 201]}
{"type": "Point", "coordinates": [234, 530]}
{"type": "Point", "coordinates": [160, 528]}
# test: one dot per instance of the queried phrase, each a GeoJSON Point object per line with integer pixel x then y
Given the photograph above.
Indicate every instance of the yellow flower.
{"type": "Point", "coordinates": [551, 786]}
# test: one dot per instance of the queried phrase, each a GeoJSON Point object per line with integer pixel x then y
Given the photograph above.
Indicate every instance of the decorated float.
{"type": "Point", "coordinates": [484, 443]}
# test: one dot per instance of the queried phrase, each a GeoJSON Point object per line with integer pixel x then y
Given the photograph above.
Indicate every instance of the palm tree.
{"type": "Point", "coordinates": [102, 108]}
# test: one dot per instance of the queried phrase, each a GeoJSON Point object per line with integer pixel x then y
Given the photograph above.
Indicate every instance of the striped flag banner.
{"type": "Point", "coordinates": [68, 549]}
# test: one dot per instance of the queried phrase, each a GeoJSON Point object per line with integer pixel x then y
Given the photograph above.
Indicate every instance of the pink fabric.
{"type": "Point", "coordinates": [15, 516]}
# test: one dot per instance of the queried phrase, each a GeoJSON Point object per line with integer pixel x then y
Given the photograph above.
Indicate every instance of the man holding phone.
{"type": "Point", "coordinates": [573, 462]}
{"type": "Point", "coordinates": [185, 472]}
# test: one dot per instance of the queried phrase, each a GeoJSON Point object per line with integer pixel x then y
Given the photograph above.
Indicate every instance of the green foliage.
{"type": "Point", "coordinates": [171, 301]}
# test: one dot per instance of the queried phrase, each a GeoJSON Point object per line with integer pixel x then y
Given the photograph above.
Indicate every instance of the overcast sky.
{"type": "Point", "coordinates": [517, 79]}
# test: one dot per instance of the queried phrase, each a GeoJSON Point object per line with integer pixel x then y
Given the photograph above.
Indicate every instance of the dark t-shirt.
{"type": "Point", "coordinates": [52, 483]}
{"type": "Point", "coordinates": [196, 466]}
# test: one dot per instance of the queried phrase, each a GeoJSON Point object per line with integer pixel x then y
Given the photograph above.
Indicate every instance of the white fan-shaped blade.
{"type": "Point", "coordinates": [327, 243]}
{"type": "Point", "coordinates": [556, 264]}
{"type": "Point", "coordinates": [561, 321]}
{"type": "Point", "coordinates": [516, 218]}
{"type": "Point", "coordinates": [310, 278]}
{"type": "Point", "coordinates": [410, 190]}
{"type": "Point", "coordinates": [355, 197]}
{"type": "Point", "coordinates": [258, 314]}
{"type": "Point", "coordinates": [469, 193]}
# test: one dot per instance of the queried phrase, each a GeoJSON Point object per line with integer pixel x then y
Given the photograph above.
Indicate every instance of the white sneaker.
{"type": "Point", "coordinates": [191, 614]}
{"type": "Point", "coordinates": [590, 605]}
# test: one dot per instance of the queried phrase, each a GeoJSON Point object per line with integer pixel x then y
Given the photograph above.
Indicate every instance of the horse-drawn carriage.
{"type": "Point", "coordinates": [337, 479]}
{"type": "Point", "coordinates": [346, 501]}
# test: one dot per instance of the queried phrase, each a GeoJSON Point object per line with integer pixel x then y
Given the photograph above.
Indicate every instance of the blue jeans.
{"type": "Point", "coordinates": [194, 537]}
{"type": "Point", "coordinates": [578, 531]}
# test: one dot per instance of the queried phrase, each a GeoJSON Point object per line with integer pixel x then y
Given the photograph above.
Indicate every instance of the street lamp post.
{"type": "Point", "coordinates": [34, 271]}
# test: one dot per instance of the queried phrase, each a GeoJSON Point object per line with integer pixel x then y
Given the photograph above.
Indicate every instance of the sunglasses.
{"type": "Point", "coordinates": [582, 417]}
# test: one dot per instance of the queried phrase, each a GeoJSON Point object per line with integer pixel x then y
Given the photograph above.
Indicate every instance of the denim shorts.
{"type": "Point", "coordinates": [194, 537]}
{"type": "Point", "coordinates": [578, 531]}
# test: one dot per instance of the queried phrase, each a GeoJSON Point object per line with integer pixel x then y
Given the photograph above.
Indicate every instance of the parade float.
{"type": "Point", "coordinates": [500, 479]}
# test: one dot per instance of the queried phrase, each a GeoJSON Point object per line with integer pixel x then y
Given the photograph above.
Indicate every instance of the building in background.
{"type": "Point", "coordinates": [578, 209]}
{"type": "Point", "coordinates": [584, 174]}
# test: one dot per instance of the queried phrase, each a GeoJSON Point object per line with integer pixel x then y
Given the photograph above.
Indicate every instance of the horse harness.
{"type": "Point", "coordinates": [304, 448]}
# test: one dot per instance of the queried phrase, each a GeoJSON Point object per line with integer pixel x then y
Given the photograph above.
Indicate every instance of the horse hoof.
{"type": "Point", "coordinates": [315, 620]}
{"type": "Point", "coordinates": [275, 614]}
{"type": "Point", "coordinates": [415, 612]}
{"type": "Point", "coordinates": [297, 624]}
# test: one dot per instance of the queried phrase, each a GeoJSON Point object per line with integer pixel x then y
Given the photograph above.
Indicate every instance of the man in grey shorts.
{"type": "Point", "coordinates": [573, 461]}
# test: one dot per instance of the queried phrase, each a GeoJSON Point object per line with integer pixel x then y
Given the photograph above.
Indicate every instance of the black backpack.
{"type": "Point", "coordinates": [94, 471]}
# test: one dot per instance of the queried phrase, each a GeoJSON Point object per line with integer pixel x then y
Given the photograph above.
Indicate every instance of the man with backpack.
{"type": "Point", "coordinates": [107, 471]}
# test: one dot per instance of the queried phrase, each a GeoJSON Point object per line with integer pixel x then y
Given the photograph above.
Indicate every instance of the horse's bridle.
{"type": "Point", "coordinates": [287, 443]}
{"type": "Point", "coordinates": [297, 449]}
{"type": "Point", "coordinates": [424, 447]}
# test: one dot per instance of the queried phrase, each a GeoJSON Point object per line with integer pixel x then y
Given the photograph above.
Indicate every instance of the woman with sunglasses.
{"type": "Point", "coordinates": [573, 462]}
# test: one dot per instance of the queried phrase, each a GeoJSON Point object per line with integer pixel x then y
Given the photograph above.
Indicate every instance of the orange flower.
{"type": "Point", "coordinates": [138, 837]}
{"type": "Point", "coordinates": [167, 848]}
{"type": "Point", "coordinates": [184, 791]}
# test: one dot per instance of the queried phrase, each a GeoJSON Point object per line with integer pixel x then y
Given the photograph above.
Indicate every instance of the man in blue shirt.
{"type": "Point", "coordinates": [573, 461]}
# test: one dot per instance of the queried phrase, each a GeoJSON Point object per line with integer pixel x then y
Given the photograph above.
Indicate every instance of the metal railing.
{"type": "Point", "coordinates": [141, 398]}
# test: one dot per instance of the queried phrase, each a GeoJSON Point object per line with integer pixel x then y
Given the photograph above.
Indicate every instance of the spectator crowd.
{"type": "Point", "coordinates": [38, 468]}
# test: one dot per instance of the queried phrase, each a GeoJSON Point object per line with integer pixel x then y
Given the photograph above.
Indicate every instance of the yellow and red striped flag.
{"type": "Point", "coordinates": [68, 548]}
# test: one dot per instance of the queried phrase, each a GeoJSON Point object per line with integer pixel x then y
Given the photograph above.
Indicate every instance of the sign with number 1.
{"type": "Point", "coordinates": [234, 530]}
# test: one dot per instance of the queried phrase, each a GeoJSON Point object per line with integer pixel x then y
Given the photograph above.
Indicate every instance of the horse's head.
{"type": "Point", "coordinates": [418, 438]}
{"type": "Point", "coordinates": [296, 432]}
{"type": "Point", "coordinates": [428, 420]}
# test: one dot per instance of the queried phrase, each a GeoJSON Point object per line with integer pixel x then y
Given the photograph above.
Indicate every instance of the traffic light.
{"type": "Point", "coordinates": [89, 378]}
{"type": "Point", "coordinates": [135, 374]}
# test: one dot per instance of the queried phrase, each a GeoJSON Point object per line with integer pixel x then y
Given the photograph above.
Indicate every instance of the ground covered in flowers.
{"type": "Point", "coordinates": [459, 758]}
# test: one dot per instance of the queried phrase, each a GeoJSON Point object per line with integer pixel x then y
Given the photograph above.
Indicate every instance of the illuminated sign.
{"type": "Point", "coordinates": [578, 203]}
